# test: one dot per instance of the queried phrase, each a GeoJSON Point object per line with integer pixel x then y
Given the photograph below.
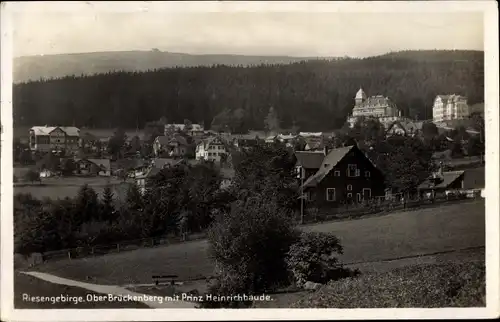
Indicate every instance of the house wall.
{"type": "Point", "coordinates": [369, 178]}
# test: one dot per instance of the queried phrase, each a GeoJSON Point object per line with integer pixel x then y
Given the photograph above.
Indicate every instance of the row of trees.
{"type": "Point", "coordinates": [181, 198]}
{"type": "Point", "coordinates": [312, 95]}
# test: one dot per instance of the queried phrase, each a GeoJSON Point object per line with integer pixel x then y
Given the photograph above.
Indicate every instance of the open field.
{"type": "Point", "coordinates": [393, 236]}
{"type": "Point", "coordinates": [66, 187]}
{"type": "Point", "coordinates": [24, 284]}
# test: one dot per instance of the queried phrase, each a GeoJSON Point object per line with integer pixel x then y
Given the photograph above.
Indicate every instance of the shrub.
{"type": "Point", "coordinates": [250, 245]}
{"type": "Point", "coordinates": [32, 176]}
{"type": "Point", "coordinates": [314, 258]}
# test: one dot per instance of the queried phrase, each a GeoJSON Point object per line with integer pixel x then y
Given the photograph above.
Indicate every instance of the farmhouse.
{"type": "Point", "coordinates": [54, 138]}
{"type": "Point", "coordinates": [440, 182]}
{"type": "Point", "coordinates": [345, 175]}
{"type": "Point", "coordinates": [99, 167]}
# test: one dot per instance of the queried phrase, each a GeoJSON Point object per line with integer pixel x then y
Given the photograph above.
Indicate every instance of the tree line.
{"type": "Point", "coordinates": [310, 95]}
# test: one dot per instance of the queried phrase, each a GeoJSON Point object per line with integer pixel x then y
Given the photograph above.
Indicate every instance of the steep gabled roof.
{"type": "Point", "coordinates": [309, 159]}
{"type": "Point", "coordinates": [329, 162]}
{"type": "Point", "coordinates": [45, 130]}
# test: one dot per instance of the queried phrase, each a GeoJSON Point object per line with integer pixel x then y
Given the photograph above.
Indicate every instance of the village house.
{"type": "Point", "coordinates": [404, 127]}
{"type": "Point", "coordinates": [380, 107]}
{"type": "Point", "coordinates": [142, 179]}
{"type": "Point", "coordinates": [54, 139]}
{"type": "Point", "coordinates": [345, 175]}
{"type": "Point", "coordinates": [195, 130]}
{"type": "Point", "coordinates": [441, 183]}
{"type": "Point", "coordinates": [211, 149]}
{"type": "Point", "coordinates": [98, 167]}
{"type": "Point", "coordinates": [245, 141]}
{"type": "Point", "coordinates": [174, 147]}
{"type": "Point", "coordinates": [287, 139]}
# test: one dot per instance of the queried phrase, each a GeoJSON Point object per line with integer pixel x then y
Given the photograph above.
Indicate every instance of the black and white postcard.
{"type": "Point", "coordinates": [170, 160]}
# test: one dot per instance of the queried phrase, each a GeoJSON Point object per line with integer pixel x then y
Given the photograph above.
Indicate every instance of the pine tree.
{"type": "Point", "coordinates": [134, 199]}
{"type": "Point", "coordinates": [108, 208]}
{"type": "Point", "coordinates": [87, 204]}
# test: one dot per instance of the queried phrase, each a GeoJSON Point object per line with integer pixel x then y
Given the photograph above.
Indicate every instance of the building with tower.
{"type": "Point", "coordinates": [379, 107]}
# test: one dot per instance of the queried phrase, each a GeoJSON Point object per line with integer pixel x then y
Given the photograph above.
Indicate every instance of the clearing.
{"type": "Point", "coordinates": [394, 236]}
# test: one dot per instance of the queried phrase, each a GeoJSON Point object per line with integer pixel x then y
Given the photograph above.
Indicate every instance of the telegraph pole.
{"type": "Point", "coordinates": [301, 195]}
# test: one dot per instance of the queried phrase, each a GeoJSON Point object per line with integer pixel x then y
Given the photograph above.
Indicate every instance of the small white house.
{"type": "Point", "coordinates": [210, 149]}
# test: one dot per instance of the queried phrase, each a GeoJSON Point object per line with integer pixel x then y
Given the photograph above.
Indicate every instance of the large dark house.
{"type": "Point", "coordinates": [339, 176]}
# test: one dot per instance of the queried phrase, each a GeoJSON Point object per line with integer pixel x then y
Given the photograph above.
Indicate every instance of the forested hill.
{"type": "Point", "coordinates": [313, 95]}
{"type": "Point", "coordinates": [55, 66]}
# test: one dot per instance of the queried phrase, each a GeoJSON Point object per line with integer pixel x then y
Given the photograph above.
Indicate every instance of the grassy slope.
{"type": "Point", "coordinates": [420, 286]}
{"type": "Point", "coordinates": [36, 287]}
{"type": "Point", "coordinates": [396, 235]}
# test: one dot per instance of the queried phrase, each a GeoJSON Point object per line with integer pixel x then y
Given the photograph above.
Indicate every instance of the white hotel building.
{"type": "Point", "coordinates": [449, 107]}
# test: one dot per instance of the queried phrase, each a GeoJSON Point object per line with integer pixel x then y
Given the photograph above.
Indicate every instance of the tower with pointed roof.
{"type": "Point", "coordinates": [360, 97]}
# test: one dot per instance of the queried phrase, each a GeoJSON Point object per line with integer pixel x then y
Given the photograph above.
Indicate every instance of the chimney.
{"type": "Point", "coordinates": [325, 150]}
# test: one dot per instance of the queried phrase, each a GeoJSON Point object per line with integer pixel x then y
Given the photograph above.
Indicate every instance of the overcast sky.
{"type": "Point", "coordinates": [250, 33]}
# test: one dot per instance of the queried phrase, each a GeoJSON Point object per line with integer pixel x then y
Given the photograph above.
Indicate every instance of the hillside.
{"type": "Point", "coordinates": [56, 66]}
{"type": "Point", "coordinates": [313, 95]}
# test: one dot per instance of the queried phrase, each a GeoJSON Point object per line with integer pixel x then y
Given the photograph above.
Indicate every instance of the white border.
{"type": "Point", "coordinates": [490, 10]}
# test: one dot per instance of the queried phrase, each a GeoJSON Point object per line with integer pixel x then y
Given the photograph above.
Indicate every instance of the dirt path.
{"type": "Point", "coordinates": [114, 290]}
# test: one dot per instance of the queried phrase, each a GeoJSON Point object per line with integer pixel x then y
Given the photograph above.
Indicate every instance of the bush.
{"type": "Point", "coordinates": [314, 258]}
{"type": "Point", "coordinates": [250, 245]}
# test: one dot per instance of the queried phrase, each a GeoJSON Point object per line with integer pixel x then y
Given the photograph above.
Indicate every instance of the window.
{"type": "Point", "coordinates": [337, 173]}
{"type": "Point", "coordinates": [358, 172]}
{"type": "Point", "coordinates": [349, 187]}
{"type": "Point", "coordinates": [349, 195]}
{"type": "Point", "coordinates": [367, 174]}
{"type": "Point", "coordinates": [359, 197]}
{"type": "Point", "coordinates": [367, 193]}
{"type": "Point", "coordinates": [330, 194]}
{"type": "Point", "coordinates": [351, 170]}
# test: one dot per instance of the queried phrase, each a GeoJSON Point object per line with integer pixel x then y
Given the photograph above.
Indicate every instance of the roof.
{"type": "Point", "coordinates": [210, 140]}
{"type": "Point", "coordinates": [103, 163]}
{"type": "Point", "coordinates": [194, 127]}
{"type": "Point", "coordinates": [310, 159]}
{"type": "Point", "coordinates": [45, 130]}
{"type": "Point", "coordinates": [162, 162]}
{"type": "Point", "coordinates": [447, 179]}
{"type": "Point", "coordinates": [453, 97]}
{"type": "Point", "coordinates": [180, 139]}
{"type": "Point", "coordinates": [313, 143]}
{"type": "Point", "coordinates": [406, 125]}
{"type": "Point", "coordinates": [329, 162]}
{"type": "Point", "coordinates": [309, 134]}
{"type": "Point", "coordinates": [360, 94]}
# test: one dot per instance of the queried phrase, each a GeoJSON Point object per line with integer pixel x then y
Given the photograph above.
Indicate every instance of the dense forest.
{"type": "Point", "coordinates": [311, 95]}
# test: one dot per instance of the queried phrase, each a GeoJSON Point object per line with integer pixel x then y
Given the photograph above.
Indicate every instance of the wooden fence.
{"type": "Point", "coordinates": [311, 215]}
{"type": "Point", "coordinates": [97, 250]}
